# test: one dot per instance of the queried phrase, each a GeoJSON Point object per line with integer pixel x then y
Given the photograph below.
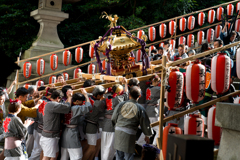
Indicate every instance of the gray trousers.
{"type": "Point", "coordinates": [124, 156]}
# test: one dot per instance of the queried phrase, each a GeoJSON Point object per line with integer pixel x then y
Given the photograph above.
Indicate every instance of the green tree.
{"type": "Point", "coordinates": [18, 29]}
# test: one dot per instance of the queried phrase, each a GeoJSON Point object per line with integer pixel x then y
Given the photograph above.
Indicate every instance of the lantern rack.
{"type": "Point", "coordinates": [154, 24]}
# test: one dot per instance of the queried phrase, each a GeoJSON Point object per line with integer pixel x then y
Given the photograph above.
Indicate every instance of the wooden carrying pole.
{"type": "Point", "coordinates": [161, 103]}
{"type": "Point", "coordinates": [207, 104]}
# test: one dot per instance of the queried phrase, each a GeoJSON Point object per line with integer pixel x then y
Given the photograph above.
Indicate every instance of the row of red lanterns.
{"type": "Point", "coordinates": [27, 68]}
{"type": "Point", "coordinates": [53, 79]}
{"type": "Point", "coordinates": [189, 41]}
{"type": "Point", "coordinates": [40, 65]}
{"type": "Point", "coordinates": [189, 23]}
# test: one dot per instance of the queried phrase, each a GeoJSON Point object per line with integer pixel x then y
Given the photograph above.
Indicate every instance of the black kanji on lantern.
{"type": "Point", "coordinates": [202, 73]}
{"type": "Point", "coordinates": [171, 132]}
{"type": "Point", "coordinates": [201, 92]}
{"type": "Point", "coordinates": [202, 83]}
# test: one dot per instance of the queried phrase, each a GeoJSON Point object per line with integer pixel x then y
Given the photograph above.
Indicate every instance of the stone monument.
{"type": "Point", "coordinates": [48, 15]}
{"type": "Point", "coordinates": [227, 117]}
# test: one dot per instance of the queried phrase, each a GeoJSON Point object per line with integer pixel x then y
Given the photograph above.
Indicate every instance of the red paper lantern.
{"type": "Point", "coordinates": [104, 65]}
{"type": "Point", "coordinates": [161, 44]}
{"type": "Point", "coordinates": [191, 22]}
{"type": "Point", "coordinates": [214, 132]}
{"type": "Point", "coordinates": [91, 51]}
{"type": "Point", "coordinates": [67, 57]}
{"type": "Point", "coordinates": [200, 37]}
{"type": "Point", "coordinates": [152, 33]}
{"type": "Point", "coordinates": [172, 128]}
{"type": "Point", "coordinates": [237, 25]}
{"type": "Point", "coordinates": [220, 12]}
{"type": "Point", "coordinates": [190, 40]}
{"type": "Point", "coordinates": [172, 44]}
{"type": "Point", "coordinates": [78, 54]}
{"type": "Point", "coordinates": [182, 24]}
{"type": "Point", "coordinates": [210, 35]}
{"type": "Point", "coordinates": [138, 55]}
{"type": "Point", "coordinates": [40, 66]}
{"type": "Point", "coordinates": [218, 30]}
{"type": "Point", "coordinates": [76, 71]}
{"type": "Point", "coordinates": [238, 7]}
{"type": "Point", "coordinates": [195, 81]}
{"type": "Point", "coordinates": [140, 33]}
{"type": "Point", "coordinates": [162, 30]}
{"type": "Point", "coordinates": [238, 63]}
{"type": "Point", "coordinates": [237, 100]}
{"type": "Point", "coordinates": [65, 76]}
{"type": "Point", "coordinates": [175, 94]}
{"type": "Point", "coordinates": [230, 9]}
{"type": "Point", "coordinates": [201, 18]}
{"type": "Point", "coordinates": [39, 83]}
{"type": "Point", "coordinates": [91, 69]}
{"type": "Point", "coordinates": [194, 125]}
{"type": "Point", "coordinates": [172, 27]}
{"type": "Point", "coordinates": [26, 85]}
{"type": "Point", "coordinates": [27, 69]}
{"type": "Point", "coordinates": [220, 73]}
{"type": "Point", "coordinates": [182, 40]}
{"type": "Point", "coordinates": [211, 16]}
{"type": "Point", "coordinates": [54, 62]}
{"type": "Point", "coordinates": [52, 79]}
{"type": "Point", "coordinates": [150, 50]}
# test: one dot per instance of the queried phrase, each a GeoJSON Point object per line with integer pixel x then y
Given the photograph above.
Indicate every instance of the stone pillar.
{"type": "Point", "coordinates": [227, 117]}
{"type": "Point", "coordinates": [48, 15]}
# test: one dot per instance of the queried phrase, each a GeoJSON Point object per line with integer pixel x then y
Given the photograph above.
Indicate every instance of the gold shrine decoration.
{"type": "Point", "coordinates": [113, 19]}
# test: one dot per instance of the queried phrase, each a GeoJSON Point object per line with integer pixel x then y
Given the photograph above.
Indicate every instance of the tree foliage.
{"type": "Point", "coordinates": [18, 29]}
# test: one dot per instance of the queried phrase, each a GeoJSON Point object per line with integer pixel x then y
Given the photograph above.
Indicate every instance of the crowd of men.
{"type": "Point", "coordinates": [105, 124]}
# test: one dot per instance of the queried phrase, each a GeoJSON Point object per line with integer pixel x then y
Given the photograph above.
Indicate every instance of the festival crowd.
{"type": "Point", "coordinates": [108, 123]}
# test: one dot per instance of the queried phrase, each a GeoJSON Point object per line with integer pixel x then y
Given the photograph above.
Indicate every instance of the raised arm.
{"type": "Point", "coordinates": [9, 90]}
{"type": "Point", "coordinates": [84, 92]}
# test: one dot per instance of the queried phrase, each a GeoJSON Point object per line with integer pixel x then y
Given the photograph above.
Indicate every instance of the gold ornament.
{"type": "Point", "coordinates": [113, 19]}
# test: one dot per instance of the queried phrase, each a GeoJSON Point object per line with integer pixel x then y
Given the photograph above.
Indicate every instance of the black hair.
{"type": "Point", "coordinates": [59, 75]}
{"type": "Point", "coordinates": [57, 94]}
{"type": "Point", "coordinates": [88, 83]}
{"type": "Point", "coordinates": [133, 82]}
{"type": "Point", "coordinates": [98, 90]}
{"type": "Point", "coordinates": [220, 42]}
{"type": "Point", "coordinates": [65, 88]}
{"type": "Point", "coordinates": [233, 33]}
{"type": "Point", "coordinates": [154, 51]}
{"type": "Point", "coordinates": [166, 43]}
{"type": "Point", "coordinates": [21, 92]}
{"type": "Point", "coordinates": [30, 90]}
{"type": "Point", "coordinates": [78, 96]}
{"type": "Point", "coordinates": [41, 88]}
{"type": "Point", "coordinates": [160, 48]}
{"type": "Point", "coordinates": [204, 47]}
{"type": "Point", "coordinates": [135, 92]}
{"type": "Point", "coordinates": [50, 91]}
